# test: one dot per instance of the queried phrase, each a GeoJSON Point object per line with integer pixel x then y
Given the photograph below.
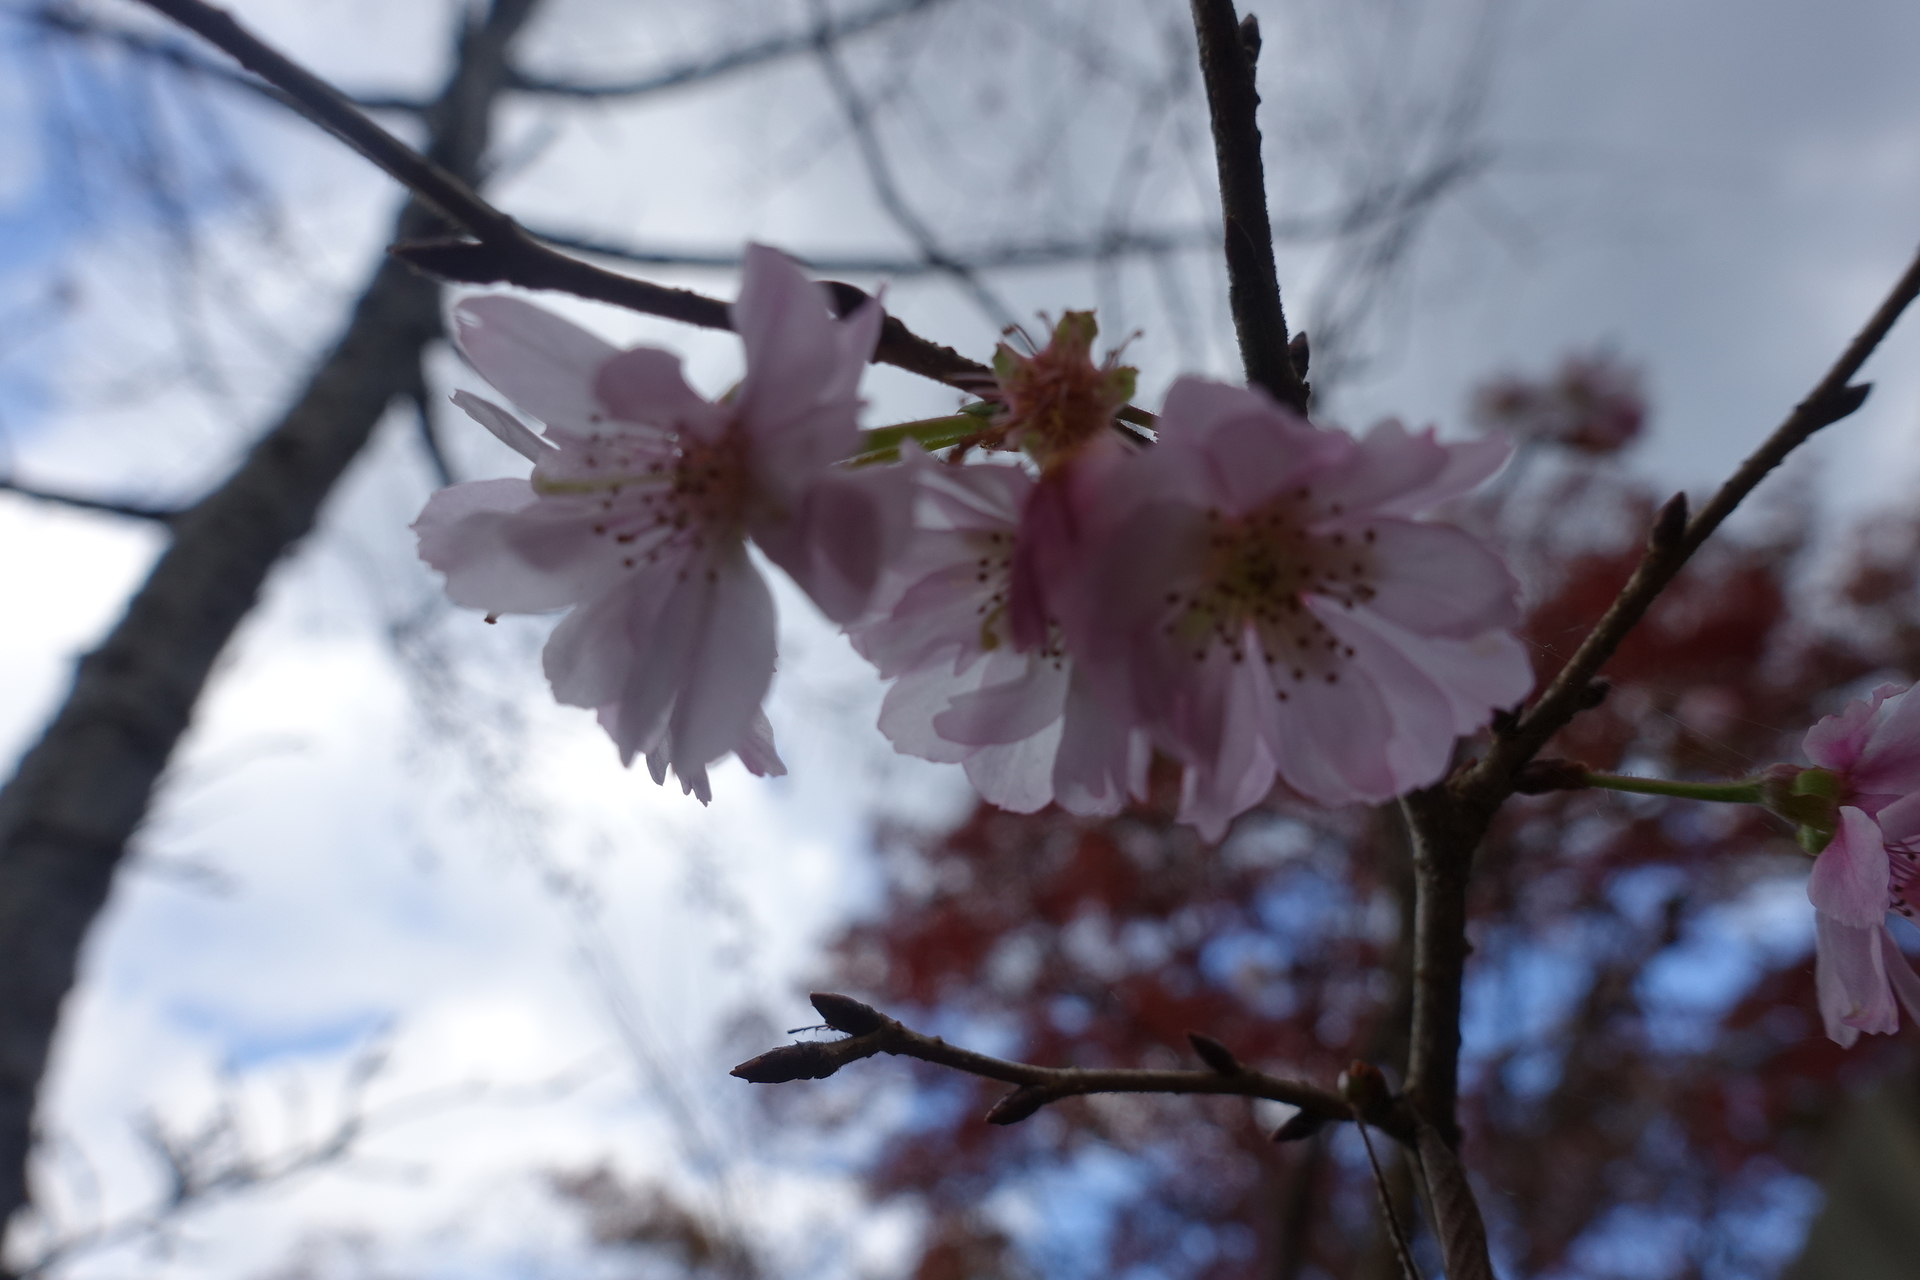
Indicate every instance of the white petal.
{"type": "Point", "coordinates": [506, 428]}
{"type": "Point", "coordinates": [730, 666]}
{"type": "Point", "coordinates": [544, 364]}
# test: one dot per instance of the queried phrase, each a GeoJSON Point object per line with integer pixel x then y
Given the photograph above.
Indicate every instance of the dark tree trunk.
{"type": "Point", "coordinates": [80, 792]}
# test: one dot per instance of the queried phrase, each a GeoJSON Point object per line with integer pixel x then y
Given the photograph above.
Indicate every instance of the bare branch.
{"type": "Point", "coordinates": [1011, 256]}
{"type": "Point", "coordinates": [501, 251]}
{"type": "Point", "coordinates": [745, 56]}
{"type": "Point", "coordinates": [871, 1032]}
{"type": "Point", "coordinates": [886, 189]}
{"type": "Point", "coordinates": [105, 506]}
{"type": "Point", "coordinates": [61, 19]}
{"type": "Point", "coordinates": [1227, 52]}
{"type": "Point", "coordinates": [1834, 397]}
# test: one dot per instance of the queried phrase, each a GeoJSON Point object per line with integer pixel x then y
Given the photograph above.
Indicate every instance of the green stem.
{"type": "Point", "coordinates": [932, 433]}
{"type": "Point", "coordinates": [1724, 792]}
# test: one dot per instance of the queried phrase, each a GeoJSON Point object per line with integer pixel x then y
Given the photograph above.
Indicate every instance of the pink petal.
{"type": "Point", "coordinates": [1478, 676]}
{"type": "Point", "coordinates": [1837, 741]}
{"type": "Point", "coordinates": [1850, 974]}
{"type": "Point", "coordinates": [756, 750]}
{"type": "Point", "coordinates": [1231, 771]}
{"type": "Point", "coordinates": [590, 655]}
{"type": "Point", "coordinates": [1437, 580]}
{"type": "Point", "coordinates": [1094, 766]}
{"type": "Point", "coordinates": [1331, 741]}
{"type": "Point", "coordinates": [542, 363]}
{"type": "Point", "coordinates": [506, 428]}
{"type": "Point", "coordinates": [1889, 764]}
{"type": "Point", "coordinates": [907, 712]}
{"type": "Point", "coordinates": [795, 349]}
{"type": "Point", "coordinates": [849, 525]}
{"type": "Point", "coordinates": [1016, 776]}
{"type": "Point", "coordinates": [1421, 744]}
{"type": "Point", "coordinates": [1009, 709]}
{"type": "Point", "coordinates": [473, 534]}
{"type": "Point", "coordinates": [645, 386]}
{"type": "Point", "coordinates": [1395, 472]}
{"type": "Point", "coordinates": [729, 667]}
{"type": "Point", "coordinates": [1850, 877]}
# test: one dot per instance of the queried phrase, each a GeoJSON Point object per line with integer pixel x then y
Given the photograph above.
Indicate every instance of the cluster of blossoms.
{"type": "Point", "coordinates": [1252, 595]}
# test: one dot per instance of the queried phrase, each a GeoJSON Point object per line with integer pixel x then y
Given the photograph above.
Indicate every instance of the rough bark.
{"type": "Point", "coordinates": [82, 790]}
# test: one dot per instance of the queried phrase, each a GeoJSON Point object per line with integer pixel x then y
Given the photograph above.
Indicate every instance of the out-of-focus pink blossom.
{"type": "Point", "coordinates": [643, 496]}
{"type": "Point", "coordinates": [1863, 801]}
{"type": "Point", "coordinates": [969, 688]}
{"type": "Point", "coordinates": [1264, 599]}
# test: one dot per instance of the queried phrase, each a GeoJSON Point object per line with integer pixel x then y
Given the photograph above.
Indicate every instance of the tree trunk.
{"type": "Point", "coordinates": [80, 792]}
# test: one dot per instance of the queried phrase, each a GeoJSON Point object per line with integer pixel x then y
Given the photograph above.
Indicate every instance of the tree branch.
{"type": "Point", "coordinates": [81, 791]}
{"type": "Point", "coordinates": [1449, 820]}
{"type": "Point", "coordinates": [1227, 50]}
{"type": "Point", "coordinates": [1013, 256]}
{"type": "Point", "coordinates": [873, 158]}
{"type": "Point", "coordinates": [501, 252]}
{"type": "Point", "coordinates": [870, 1032]}
{"type": "Point", "coordinates": [770, 49]}
{"type": "Point", "coordinates": [131, 510]}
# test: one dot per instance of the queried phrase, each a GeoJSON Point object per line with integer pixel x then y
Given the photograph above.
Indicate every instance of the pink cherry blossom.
{"type": "Point", "coordinates": [983, 678]}
{"type": "Point", "coordinates": [1264, 600]}
{"type": "Point", "coordinates": [1870, 753]}
{"type": "Point", "coordinates": [642, 499]}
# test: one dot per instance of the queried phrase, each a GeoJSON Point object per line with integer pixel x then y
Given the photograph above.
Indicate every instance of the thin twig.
{"type": "Point", "coordinates": [886, 189]}
{"type": "Point", "coordinates": [1253, 286]}
{"type": "Point", "coordinates": [870, 1032]}
{"type": "Point", "coordinates": [501, 251]}
{"type": "Point", "coordinates": [1833, 398]}
{"type": "Point", "coordinates": [105, 506]}
{"type": "Point", "coordinates": [1448, 821]}
{"type": "Point", "coordinates": [745, 56]}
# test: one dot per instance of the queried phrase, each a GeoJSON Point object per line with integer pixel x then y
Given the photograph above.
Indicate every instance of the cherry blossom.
{"type": "Point", "coordinates": [971, 628]}
{"type": "Point", "coordinates": [1859, 812]}
{"type": "Point", "coordinates": [643, 497]}
{"type": "Point", "coordinates": [1264, 600]}
{"type": "Point", "coordinates": [1019, 717]}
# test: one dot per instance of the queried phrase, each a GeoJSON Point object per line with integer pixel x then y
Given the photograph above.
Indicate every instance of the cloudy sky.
{"type": "Point", "coordinates": [371, 846]}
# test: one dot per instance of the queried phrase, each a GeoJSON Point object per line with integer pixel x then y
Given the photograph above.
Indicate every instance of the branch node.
{"type": "Point", "coordinates": [1594, 694]}
{"type": "Point", "coordinates": [1018, 1105]}
{"type": "Point", "coordinates": [1250, 38]}
{"type": "Point", "coordinates": [1669, 526]}
{"type": "Point", "coordinates": [789, 1062]}
{"type": "Point", "coordinates": [1543, 776]}
{"type": "Point", "coordinates": [844, 1013]}
{"type": "Point", "coordinates": [1829, 409]}
{"type": "Point", "coordinates": [1214, 1054]}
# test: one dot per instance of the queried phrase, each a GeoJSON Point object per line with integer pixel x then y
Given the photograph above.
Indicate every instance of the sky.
{"type": "Point", "coordinates": [402, 848]}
